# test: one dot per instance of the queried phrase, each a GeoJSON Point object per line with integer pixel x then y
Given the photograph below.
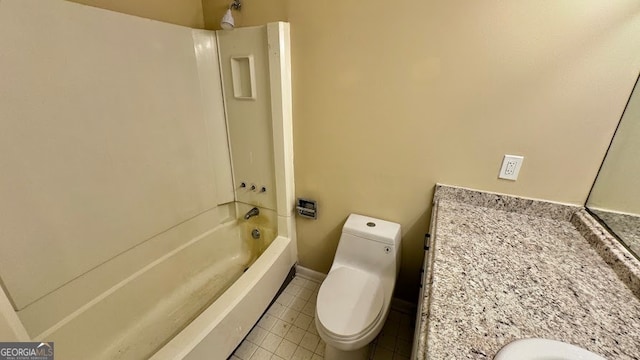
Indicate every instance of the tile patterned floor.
{"type": "Point", "coordinates": [287, 330]}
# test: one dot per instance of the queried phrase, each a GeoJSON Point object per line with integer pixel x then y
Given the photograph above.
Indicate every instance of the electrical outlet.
{"type": "Point", "coordinates": [510, 167]}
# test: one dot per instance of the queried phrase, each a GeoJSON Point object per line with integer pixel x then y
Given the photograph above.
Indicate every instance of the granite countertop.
{"type": "Point", "coordinates": [502, 268]}
{"type": "Point", "coordinates": [627, 226]}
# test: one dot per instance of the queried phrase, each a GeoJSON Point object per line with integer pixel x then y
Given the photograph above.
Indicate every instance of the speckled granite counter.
{"type": "Point", "coordinates": [627, 227]}
{"type": "Point", "coordinates": [502, 268]}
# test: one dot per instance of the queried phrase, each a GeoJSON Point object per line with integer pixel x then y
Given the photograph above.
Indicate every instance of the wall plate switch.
{"type": "Point", "coordinates": [510, 167]}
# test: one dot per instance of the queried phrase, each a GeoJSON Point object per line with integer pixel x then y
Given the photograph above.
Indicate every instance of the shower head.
{"type": "Point", "coordinates": [227, 22]}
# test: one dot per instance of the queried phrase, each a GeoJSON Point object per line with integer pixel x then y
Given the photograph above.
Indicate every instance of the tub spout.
{"type": "Point", "coordinates": [251, 213]}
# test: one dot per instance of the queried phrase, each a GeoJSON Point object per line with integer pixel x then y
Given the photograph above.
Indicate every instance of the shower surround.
{"type": "Point", "coordinates": [123, 146]}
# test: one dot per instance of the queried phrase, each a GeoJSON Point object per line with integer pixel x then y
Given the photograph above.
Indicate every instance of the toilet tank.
{"type": "Point", "coordinates": [370, 244]}
{"type": "Point", "coordinates": [373, 229]}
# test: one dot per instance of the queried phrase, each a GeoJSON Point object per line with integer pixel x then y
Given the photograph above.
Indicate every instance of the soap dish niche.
{"type": "Point", "coordinates": [243, 77]}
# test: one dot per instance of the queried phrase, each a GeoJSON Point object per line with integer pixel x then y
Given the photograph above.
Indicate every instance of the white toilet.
{"type": "Point", "coordinates": [353, 301]}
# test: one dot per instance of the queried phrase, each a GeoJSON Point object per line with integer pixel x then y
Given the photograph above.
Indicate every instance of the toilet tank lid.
{"type": "Point", "coordinates": [373, 229]}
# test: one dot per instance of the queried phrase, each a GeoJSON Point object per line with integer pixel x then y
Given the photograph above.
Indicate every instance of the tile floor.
{"type": "Point", "coordinates": [287, 330]}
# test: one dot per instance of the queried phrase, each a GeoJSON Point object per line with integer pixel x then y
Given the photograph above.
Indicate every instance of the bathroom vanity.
{"type": "Point", "coordinates": [500, 268]}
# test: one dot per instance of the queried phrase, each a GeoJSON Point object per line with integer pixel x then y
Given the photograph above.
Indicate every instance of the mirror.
{"type": "Point", "coordinates": [615, 196]}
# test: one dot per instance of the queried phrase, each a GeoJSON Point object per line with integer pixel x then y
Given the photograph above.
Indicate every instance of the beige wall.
{"type": "Point", "coordinates": [617, 186]}
{"type": "Point", "coordinates": [391, 98]}
{"type": "Point", "coordinates": [179, 12]}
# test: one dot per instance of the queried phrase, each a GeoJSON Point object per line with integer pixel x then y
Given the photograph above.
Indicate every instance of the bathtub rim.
{"type": "Point", "coordinates": [132, 277]}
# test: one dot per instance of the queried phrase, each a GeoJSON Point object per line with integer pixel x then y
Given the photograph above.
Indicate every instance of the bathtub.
{"type": "Point", "coordinates": [196, 302]}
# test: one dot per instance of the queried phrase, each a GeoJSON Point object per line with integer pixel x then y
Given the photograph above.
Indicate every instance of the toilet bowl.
{"type": "Point", "coordinates": [354, 299]}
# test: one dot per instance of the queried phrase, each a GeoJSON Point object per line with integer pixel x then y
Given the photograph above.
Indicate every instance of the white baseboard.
{"type": "Point", "coordinates": [309, 274]}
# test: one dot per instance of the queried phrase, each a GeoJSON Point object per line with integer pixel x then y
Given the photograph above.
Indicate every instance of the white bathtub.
{"type": "Point", "coordinates": [196, 302]}
{"type": "Point", "coordinates": [222, 326]}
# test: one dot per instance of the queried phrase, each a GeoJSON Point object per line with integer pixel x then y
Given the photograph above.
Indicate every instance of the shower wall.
{"type": "Point", "coordinates": [246, 85]}
{"type": "Point", "coordinates": [113, 149]}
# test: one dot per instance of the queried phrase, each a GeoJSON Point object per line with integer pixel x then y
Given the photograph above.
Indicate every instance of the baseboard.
{"type": "Point", "coordinates": [403, 306]}
{"type": "Point", "coordinates": [309, 274]}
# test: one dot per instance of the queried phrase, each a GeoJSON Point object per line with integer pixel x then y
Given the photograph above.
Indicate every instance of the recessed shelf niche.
{"type": "Point", "coordinates": [244, 80]}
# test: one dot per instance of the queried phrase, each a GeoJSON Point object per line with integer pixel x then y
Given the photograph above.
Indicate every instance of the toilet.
{"type": "Point", "coordinates": [354, 299]}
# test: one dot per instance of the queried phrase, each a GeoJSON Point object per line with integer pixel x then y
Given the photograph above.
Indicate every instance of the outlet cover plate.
{"type": "Point", "coordinates": [511, 165]}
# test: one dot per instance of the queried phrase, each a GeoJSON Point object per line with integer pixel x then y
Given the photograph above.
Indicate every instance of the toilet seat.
{"type": "Point", "coordinates": [349, 303]}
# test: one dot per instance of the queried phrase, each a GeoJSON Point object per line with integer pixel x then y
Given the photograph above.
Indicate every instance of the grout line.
{"type": "Point", "coordinates": [294, 291]}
